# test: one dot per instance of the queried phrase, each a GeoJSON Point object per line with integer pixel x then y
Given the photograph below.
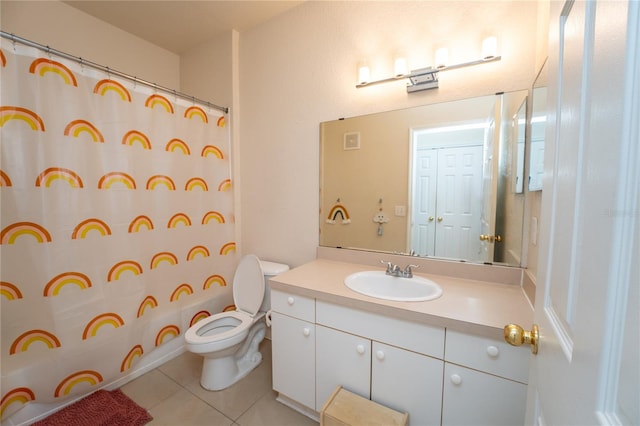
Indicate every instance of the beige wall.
{"type": "Point", "coordinates": [55, 24]}
{"type": "Point", "coordinates": [299, 69]}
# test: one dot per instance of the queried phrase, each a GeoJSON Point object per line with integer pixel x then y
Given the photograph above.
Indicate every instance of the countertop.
{"type": "Point", "coordinates": [466, 305]}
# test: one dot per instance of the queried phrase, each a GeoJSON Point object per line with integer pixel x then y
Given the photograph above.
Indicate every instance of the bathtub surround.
{"type": "Point", "coordinates": [117, 225]}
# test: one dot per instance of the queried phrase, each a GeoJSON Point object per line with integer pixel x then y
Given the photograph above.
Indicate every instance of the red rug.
{"type": "Point", "coordinates": [101, 408]}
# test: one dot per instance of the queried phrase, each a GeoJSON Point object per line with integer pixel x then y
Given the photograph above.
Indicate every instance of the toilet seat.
{"type": "Point", "coordinates": [226, 329]}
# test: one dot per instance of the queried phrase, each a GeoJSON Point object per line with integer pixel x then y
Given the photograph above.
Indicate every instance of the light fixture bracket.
{"type": "Point", "coordinates": [422, 79]}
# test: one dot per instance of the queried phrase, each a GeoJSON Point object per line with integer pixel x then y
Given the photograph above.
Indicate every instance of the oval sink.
{"type": "Point", "coordinates": [382, 286]}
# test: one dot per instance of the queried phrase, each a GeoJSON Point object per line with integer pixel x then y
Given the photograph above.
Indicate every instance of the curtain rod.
{"type": "Point", "coordinates": [108, 70]}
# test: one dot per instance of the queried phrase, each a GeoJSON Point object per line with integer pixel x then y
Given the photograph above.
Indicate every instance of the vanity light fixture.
{"type": "Point", "coordinates": [427, 78]}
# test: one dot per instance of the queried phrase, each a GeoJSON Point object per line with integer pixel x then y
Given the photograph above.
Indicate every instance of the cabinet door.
{"type": "Point", "coordinates": [293, 353]}
{"type": "Point", "coordinates": [473, 397]}
{"type": "Point", "coordinates": [341, 359]}
{"type": "Point", "coordinates": [407, 382]}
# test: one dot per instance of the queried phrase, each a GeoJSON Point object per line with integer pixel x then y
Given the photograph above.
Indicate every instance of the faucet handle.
{"type": "Point", "coordinates": [408, 273]}
{"type": "Point", "coordinates": [389, 265]}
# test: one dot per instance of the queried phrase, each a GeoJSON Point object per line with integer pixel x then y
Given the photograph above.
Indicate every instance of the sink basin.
{"type": "Point", "coordinates": [382, 286]}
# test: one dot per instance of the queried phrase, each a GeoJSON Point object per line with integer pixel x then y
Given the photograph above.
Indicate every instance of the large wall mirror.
{"type": "Point", "coordinates": [442, 180]}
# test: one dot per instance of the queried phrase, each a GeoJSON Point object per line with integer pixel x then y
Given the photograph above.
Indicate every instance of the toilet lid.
{"type": "Point", "coordinates": [248, 285]}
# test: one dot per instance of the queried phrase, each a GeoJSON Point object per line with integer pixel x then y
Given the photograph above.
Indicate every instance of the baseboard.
{"type": "Point", "coordinates": [312, 414]}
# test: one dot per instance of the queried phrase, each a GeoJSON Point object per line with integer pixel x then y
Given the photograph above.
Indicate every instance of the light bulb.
{"type": "Point", "coordinates": [489, 47]}
{"type": "Point", "coordinates": [364, 74]}
{"type": "Point", "coordinates": [400, 67]}
{"type": "Point", "coordinates": [442, 57]}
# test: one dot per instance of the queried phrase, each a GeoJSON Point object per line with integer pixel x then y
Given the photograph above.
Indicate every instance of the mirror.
{"type": "Point", "coordinates": [441, 180]}
{"type": "Point", "coordinates": [538, 125]}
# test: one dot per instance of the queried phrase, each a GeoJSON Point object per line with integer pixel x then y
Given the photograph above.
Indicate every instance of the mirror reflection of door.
{"type": "Point", "coordinates": [490, 181]}
{"type": "Point", "coordinates": [446, 201]}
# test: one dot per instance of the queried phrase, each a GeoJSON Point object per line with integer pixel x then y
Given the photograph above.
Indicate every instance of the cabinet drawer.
{"type": "Point", "coordinates": [421, 338]}
{"type": "Point", "coordinates": [293, 305]}
{"type": "Point", "coordinates": [489, 355]}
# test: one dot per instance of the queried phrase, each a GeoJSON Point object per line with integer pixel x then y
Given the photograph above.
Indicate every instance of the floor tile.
{"type": "Point", "coordinates": [269, 412]}
{"type": "Point", "coordinates": [185, 409]}
{"type": "Point", "coordinates": [151, 388]}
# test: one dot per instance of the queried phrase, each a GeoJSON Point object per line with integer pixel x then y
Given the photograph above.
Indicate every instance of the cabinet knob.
{"type": "Point", "coordinates": [360, 349]}
{"type": "Point", "coordinates": [380, 355]}
{"type": "Point", "coordinates": [493, 351]}
{"type": "Point", "coordinates": [456, 379]}
{"type": "Point", "coordinates": [290, 300]}
{"type": "Point", "coordinates": [306, 332]}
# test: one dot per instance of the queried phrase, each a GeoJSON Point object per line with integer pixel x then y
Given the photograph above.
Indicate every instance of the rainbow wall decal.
{"type": "Point", "coordinates": [177, 219]}
{"type": "Point", "coordinates": [22, 343]}
{"type": "Point", "coordinates": [221, 121]}
{"type": "Point", "coordinates": [77, 127]}
{"type": "Point", "coordinates": [159, 101]}
{"type": "Point", "coordinates": [167, 333]}
{"type": "Point", "coordinates": [198, 112]}
{"type": "Point", "coordinates": [10, 234]}
{"type": "Point", "coordinates": [183, 288]}
{"type": "Point", "coordinates": [163, 180]}
{"type": "Point", "coordinates": [88, 225]}
{"type": "Point", "coordinates": [228, 248]}
{"type": "Point", "coordinates": [225, 185]}
{"type": "Point", "coordinates": [127, 362]}
{"type": "Point", "coordinates": [10, 291]}
{"type": "Point", "coordinates": [3, 59]}
{"type": "Point", "coordinates": [197, 250]}
{"type": "Point", "coordinates": [212, 215]}
{"type": "Point", "coordinates": [104, 86]}
{"type": "Point", "coordinates": [133, 136]}
{"type": "Point", "coordinates": [54, 286]}
{"type": "Point", "coordinates": [149, 302]}
{"type": "Point", "coordinates": [140, 222]}
{"type": "Point", "coordinates": [41, 66]}
{"type": "Point", "coordinates": [88, 376]}
{"type": "Point", "coordinates": [48, 176]}
{"type": "Point", "coordinates": [4, 179]}
{"type": "Point", "coordinates": [164, 256]}
{"type": "Point", "coordinates": [338, 210]}
{"type": "Point", "coordinates": [214, 279]}
{"type": "Point", "coordinates": [199, 316]}
{"type": "Point", "coordinates": [121, 267]}
{"type": "Point", "coordinates": [19, 395]}
{"type": "Point", "coordinates": [177, 145]}
{"type": "Point", "coordinates": [212, 150]}
{"type": "Point", "coordinates": [229, 308]}
{"type": "Point", "coordinates": [111, 178]}
{"type": "Point", "coordinates": [8, 113]}
{"type": "Point", "coordinates": [195, 183]}
{"type": "Point", "coordinates": [108, 318]}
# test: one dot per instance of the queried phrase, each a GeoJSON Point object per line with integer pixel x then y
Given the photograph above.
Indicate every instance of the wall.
{"type": "Point", "coordinates": [64, 28]}
{"type": "Point", "coordinates": [299, 69]}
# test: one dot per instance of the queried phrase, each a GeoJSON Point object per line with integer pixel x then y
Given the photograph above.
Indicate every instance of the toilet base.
{"type": "Point", "coordinates": [220, 373]}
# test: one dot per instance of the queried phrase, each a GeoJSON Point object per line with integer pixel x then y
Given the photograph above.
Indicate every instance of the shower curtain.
{"type": "Point", "coordinates": [117, 224]}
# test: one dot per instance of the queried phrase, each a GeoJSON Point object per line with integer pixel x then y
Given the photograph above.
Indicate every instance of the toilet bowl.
{"type": "Point", "coordinates": [229, 341]}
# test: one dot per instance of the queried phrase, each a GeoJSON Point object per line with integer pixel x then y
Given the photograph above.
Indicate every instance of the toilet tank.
{"type": "Point", "coordinates": [270, 269]}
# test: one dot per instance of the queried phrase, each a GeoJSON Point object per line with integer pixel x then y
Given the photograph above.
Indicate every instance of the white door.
{"type": "Point", "coordinates": [490, 181]}
{"type": "Point", "coordinates": [459, 205]}
{"type": "Point", "coordinates": [423, 201]}
{"type": "Point", "coordinates": [587, 296]}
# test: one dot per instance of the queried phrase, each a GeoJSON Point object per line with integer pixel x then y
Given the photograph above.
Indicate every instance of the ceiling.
{"type": "Point", "coordinates": [180, 25]}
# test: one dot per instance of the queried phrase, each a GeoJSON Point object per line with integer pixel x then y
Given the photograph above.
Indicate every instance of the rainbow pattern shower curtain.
{"type": "Point", "coordinates": [117, 225]}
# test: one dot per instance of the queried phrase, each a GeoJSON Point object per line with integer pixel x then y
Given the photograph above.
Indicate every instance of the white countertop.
{"type": "Point", "coordinates": [478, 307]}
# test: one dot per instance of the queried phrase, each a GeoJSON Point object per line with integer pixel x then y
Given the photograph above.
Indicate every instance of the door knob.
{"type": "Point", "coordinates": [439, 218]}
{"type": "Point", "coordinates": [516, 336]}
{"type": "Point", "coordinates": [431, 218]}
{"type": "Point", "coordinates": [491, 238]}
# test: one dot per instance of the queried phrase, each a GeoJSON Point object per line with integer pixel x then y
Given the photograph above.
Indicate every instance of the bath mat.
{"type": "Point", "coordinates": [101, 408]}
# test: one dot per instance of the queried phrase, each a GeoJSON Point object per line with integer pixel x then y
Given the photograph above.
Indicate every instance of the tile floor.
{"type": "Point", "coordinates": [173, 395]}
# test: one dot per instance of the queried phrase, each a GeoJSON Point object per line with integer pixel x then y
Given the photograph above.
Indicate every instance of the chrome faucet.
{"type": "Point", "coordinates": [396, 271]}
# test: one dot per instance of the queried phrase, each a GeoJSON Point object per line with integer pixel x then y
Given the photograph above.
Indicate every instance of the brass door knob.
{"type": "Point", "coordinates": [516, 336]}
{"type": "Point", "coordinates": [491, 238]}
{"type": "Point", "coordinates": [484, 237]}
{"type": "Point", "coordinates": [431, 218]}
{"type": "Point", "coordinates": [439, 218]}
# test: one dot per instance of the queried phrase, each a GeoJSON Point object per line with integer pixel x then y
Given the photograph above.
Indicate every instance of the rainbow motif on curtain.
{"type": "Point", "coordinates": [115, 238]}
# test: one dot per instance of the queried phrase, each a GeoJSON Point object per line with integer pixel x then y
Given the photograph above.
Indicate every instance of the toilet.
{"type": "Point", "coordinates": [229, 341]}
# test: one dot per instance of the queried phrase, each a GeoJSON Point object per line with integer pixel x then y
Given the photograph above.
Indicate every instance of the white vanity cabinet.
{"type": "Point", "coordinates": [293, 347]}
{"type": "Point", "coordinates": [393, 362]}
{"type": "Point", "coordinates": [484, 381]}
